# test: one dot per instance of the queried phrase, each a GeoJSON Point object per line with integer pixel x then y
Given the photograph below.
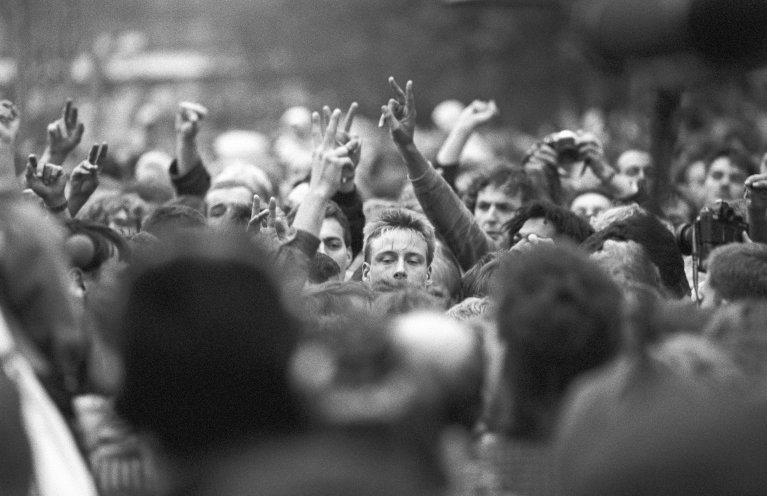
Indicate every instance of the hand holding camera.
{"type": "Point", "coordinates": [756, 192]}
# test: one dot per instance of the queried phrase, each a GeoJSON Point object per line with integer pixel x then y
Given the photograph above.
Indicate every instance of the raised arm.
{"type": "Point", "coordinates": [48, 181]}
{"type": "Point", "coordinates": [329, 162]}
{"type": "Point", "coordinates": [756, 205]}
{"type": "Point", "coordinates": [64, 134]}
{"type": "Point", "coordinates": [9, 128]}
{"type": "Point", "coordinates": [85, 178]}
{"type": "Point", "coordinates": [474, 115]}
{"type": "Point", "coordinates": [441, 205]}
{"type": "Point", "coordinates": [187, 171]}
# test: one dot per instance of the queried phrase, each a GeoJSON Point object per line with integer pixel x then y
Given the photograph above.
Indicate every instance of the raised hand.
{"type": "Point", "coordinates": [48, 181]}
{"type": "Point", "coordinates": [9, 122]}
{"type": "Point", "coordinates": [477, 113]}
{"type": "Point", "coordinates": [343, 137]}
{"type": "Point", "coordinates": [85, 178]}
{"type": "Point", "coordinates": [591, 152]}
{"type": "Point", "coordinates": [756, 191]}
{"type": "Point", "coordinates": [64, 134]}
{"type": "Point", "coordinates": [330, 159]}
{"type": "Point", "coordinates": [270, 222]}
{"type": "Point", "coordinates": [188, 120]}
{"type": "Point", "coordinates": [399, 113]}
{"type": "Point", "coordinates": [541, 156]}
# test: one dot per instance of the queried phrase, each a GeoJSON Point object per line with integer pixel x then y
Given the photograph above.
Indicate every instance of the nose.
{"type": "Point", "coordinates": [399, 271]}
{"type": "Point", "coordinates": [492, 212]}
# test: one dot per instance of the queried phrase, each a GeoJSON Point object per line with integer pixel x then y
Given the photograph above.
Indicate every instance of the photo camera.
{"type": "Point", "coordinates": [565, 143]}
{"type": "Point", "coordinates": [716, 225]}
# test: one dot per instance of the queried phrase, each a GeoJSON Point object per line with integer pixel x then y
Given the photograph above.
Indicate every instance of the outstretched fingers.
{"type": "Point", "coordinates": [330, 132]}
{"type": "Point", "coordinates": [31, 170]}
{"type": "Point", "coordinates": [350, 117]}
{"type": "Point", "coordinates": [409, 96]}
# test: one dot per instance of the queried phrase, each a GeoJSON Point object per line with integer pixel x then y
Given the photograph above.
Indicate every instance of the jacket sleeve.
{"type": "Point", "coordinates": [451, 218]}
{"type": "Point", "coordinates": [196, 182]}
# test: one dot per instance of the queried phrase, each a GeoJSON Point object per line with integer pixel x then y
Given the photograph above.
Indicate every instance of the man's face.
{"type": "Point", "coordinates": [493, 209]}
{"type": "Point", "coordinates": [590, 205]}
{"type": "Point", "coordinates": [724, 181]}
{"type": "Point", "coordinates": [398, 257]}
{"type": "Point", "coordinates": [332, 243]}
{"type": "Point", "coordinates": [537, 226]}
{"type": "Point", "coordinates": [637, 166]}
{"type": "Point", "coordinates": [228, 206]}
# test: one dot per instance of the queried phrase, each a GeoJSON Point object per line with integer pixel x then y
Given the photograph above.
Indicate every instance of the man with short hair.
{"type": "Point", "coordinates": [636, 165]}
{"type": "Point", "coordinates": [736, 271]}
{"type": "Point", "coordinates": [335, 235]}
{"type": "Point", "coordinates": [399, 248]}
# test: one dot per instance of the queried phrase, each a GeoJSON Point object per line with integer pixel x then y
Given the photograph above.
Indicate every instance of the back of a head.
{"type": "Point", "coordinates": [738, 271]}
{"type": "Point", "coordinates": [171, 218]}
{"type": "Point", "coordinates": [207, 344]}
{"type": "Point", "coordinates": [476, 280]}
{"type": "Point", "coordinates": [105, 242]}
{"type": "Point", "coordinates": [400, 300]}
{"type": "Point", "coordinates": [739, 329]}
{"type": "Point", "coordinates": [628, 264]}
{"type": "Point", "coordinates": [559, 315]}
{"type": "Point", "coordinates": [322, 269]}
{"type": "Point", "coordinates": [659, 244]}
{"type": "Point", "coordinates": [126, 210]}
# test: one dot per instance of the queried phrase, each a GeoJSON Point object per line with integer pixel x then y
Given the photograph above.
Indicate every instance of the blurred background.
{"type": "Point", "coordinates": [128, 62]}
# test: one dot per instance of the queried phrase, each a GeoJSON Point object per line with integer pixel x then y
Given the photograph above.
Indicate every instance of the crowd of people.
{"type": "Point", "coordinates": [552, 325]}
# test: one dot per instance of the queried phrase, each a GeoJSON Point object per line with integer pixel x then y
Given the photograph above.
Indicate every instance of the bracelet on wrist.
{"type": "Point", "coordinates": [58, 208]}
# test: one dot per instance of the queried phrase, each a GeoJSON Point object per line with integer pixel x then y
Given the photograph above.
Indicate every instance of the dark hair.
{"type": "Point", "coordinates": [207, 343]}
{"type": "Point", "coordinates": [559, 314]}
{"type": "Point", "coordinates": [512, 180]}
{"type": "Point", "coordinates": [737, 156]}
{"type": "Point", "coordinates": [445, 269]}
{"type": "Point", "coordinates": [738, 271]}
{"type": "Point", "coordinates": [398, 300]}
{"type": "Point", "coordinates": [658, 242]}
{"type": "Point", "coordinates": [170, 217]}
{"type": "Point", "coordinates": [332, 211]}
{"type": "Point", "coordinates": [322, 268]}
{"type": "Point", "coordinates": [476, 280]}
{"type": "Point", "coordinates": [334, 297]}
{"type": "Point", "coordinates": [567, 223]}
{"type": "Point", "coordinates": [104, 240]}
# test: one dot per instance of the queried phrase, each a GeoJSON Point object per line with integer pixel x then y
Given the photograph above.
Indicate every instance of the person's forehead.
{"type": "Point", "coordinates": [399, 241]}
{"type": "Point", "coordinates": [231, 195]}
{"type": "Point", "coordinates": [590, 199]}
{"type": "Point", "coordinates": [495, 194]}
{"type": "Point", "coordinates": [724, 164]}
{"type": "Point", "coordinates": [634, 158]}
{"type": "Point", "coordinates": [331, 228]}
{"type": "Point", "coordinates": [538, 226]}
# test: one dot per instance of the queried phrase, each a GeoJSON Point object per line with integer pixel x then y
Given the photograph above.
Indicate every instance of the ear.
{"type": "Point", "coordinates": [365, 271]}
{"type": "Point", "coordinates": [428, 274]}
{"type": "Point", "coordinates": [348, 256]}
{"type": "Point", "coordinates": [77, 280]}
